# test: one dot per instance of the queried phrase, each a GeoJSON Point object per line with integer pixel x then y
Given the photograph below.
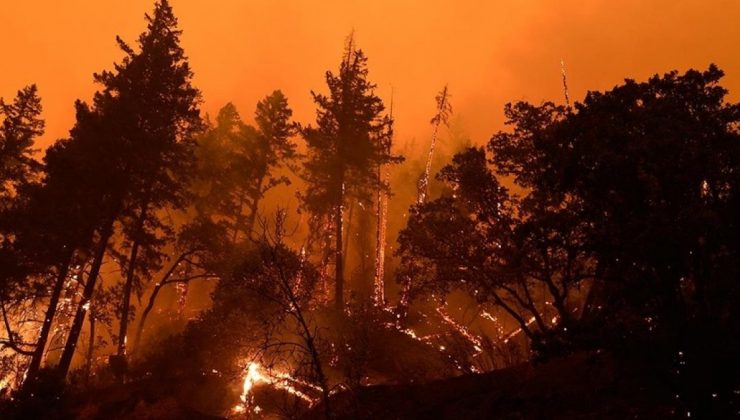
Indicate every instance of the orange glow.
{"type": "Point", "coordinates": [489, 52]}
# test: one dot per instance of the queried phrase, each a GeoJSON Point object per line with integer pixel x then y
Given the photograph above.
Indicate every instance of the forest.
{"type": "Point", "coordinates": [584, 262]}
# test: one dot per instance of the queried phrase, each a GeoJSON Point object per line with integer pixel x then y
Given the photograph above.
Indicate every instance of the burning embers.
{"type": "Point", "coordinates": [256, 374]}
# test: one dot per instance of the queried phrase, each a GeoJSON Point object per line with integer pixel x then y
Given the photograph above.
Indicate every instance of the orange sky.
{"type": "Point", "coordinates": [489, 52]}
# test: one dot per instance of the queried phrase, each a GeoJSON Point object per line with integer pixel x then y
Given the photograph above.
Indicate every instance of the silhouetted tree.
{"type": "Point", "coordinates": [201, 252]}
{"type": "Point", "coordinates": [21, 125]}
{"type": "Point", "coordinates": [239, 162]}
{"type": "Point", "coordinates": [633, 192]}
{"type": "Point", "coordinates": [61, 218]}
{"type": "Point", "coordinates": [345, 148]}
{"type": "Point", "coordinates": [148, 111]}
{"type": "Point", "coordinates": [501, 249]}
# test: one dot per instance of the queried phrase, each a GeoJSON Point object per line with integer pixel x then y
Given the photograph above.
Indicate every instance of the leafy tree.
{"type": "Point", "coordinates": [272, 147]}
{"type": "Point", "coordinates": [514, 253]}
{"type": "Point", "coordinates": [651, 169]}
{"type": "Point", "coordinates": [634, 193]}
{"type": "Point", "coordinates": [348, 143]}
{"type": "Point", "coordinates": [21, 124]}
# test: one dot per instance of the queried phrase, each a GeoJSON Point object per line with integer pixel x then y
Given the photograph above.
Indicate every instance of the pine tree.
{"type": "Point", "coordinates": [239, 163]}
{"type": "Point", "coordinates": [20, 126]}
{"type": "Point", "coordinates": [345, 148]}
{"type": "Point", "coordinates": [272, 146]}
{"type": "Point", "coordinates": [149, 116]}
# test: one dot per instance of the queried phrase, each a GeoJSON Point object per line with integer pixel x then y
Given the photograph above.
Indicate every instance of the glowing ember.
{"type": "Point", "coordinates": [518, 330]}
{"type": "Point", "coordinates": [461, 329]}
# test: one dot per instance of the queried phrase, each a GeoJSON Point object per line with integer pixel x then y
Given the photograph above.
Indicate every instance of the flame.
{"type": "Point", "coordinates": [518, 330]}
{"type": "Point", "coordinates": [382, 219]}
{"type": "Point", "coordinates": [461, 329]}
{"type": "Point", "coordinates": [256, 374]}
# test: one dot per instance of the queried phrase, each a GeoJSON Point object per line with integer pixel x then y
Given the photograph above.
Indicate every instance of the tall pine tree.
{"type": "Point", "coordinates": [149, 115]}
{"type": "Point", "coordinates": [345, 148]}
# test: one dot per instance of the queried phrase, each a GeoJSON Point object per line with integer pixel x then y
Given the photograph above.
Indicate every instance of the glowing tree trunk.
{"type": "Point", "coordinates": [380, 241]}
{"type": "Point", "coordinates": [441, 117]}
{"type": "Point", "coordinates": [182, 299]}
{"type": "Point", "coordinates": [565, 83]}
{"type": "Point", "coordinates": [339, 253]}
{"type": "Point", "coordinates": [381, 216]}
{"type": "Point", "coordinates": [444, 109]}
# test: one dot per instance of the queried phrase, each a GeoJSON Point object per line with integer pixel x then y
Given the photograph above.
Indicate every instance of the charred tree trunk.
{"type": "Point", "coordinates": [74, 333]}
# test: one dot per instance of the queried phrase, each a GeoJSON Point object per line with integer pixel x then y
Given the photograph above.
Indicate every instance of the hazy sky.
{"type": "Point", "coordinates": [490, 52]}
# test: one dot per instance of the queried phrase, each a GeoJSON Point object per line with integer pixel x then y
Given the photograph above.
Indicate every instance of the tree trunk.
{"type": "Point", "coordinates": [339, 263]}
{"type": "Point", "coordinates": [90, 350]}
{"type": "Point", "coordinates": [348, 229]}
{"type": "Point", "coordinates": [253, 207]}
{"type": "Point", "coordinates": [380, 234]}
{"type": "Point", "coordinates": [38, 354]}
{"type": "Point", "coordinates": [153, 297]}
{"type": "Point", "coordinates": [126, 299]}
{"type": "Point", "coordinates": [129, 285]}
{"type": "Point", "coordinates": [74, 333]}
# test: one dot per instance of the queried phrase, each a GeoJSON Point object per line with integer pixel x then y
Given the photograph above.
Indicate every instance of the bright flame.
{"type": "Point", "coordinates": [281, 380]}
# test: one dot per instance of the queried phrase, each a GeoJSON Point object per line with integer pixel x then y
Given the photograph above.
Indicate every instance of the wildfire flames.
{"type": "Point", "coordinates": [256, 374]}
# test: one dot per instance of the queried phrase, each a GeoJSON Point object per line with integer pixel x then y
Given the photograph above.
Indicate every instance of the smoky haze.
{"type": "Point", "coordinates": [489, 52]}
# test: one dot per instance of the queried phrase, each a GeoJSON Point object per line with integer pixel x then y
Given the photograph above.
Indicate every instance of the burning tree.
{"type": "Point", "coordinates": [345, 148]}
{"type": "Point", "coordinates": [441, 117]}
{"type": "Point", "coordinates": [21, 125]}
{"type": "Point", "coordinates": [139, 135]}
{"type": "Point", "coordinates": [287, 284]}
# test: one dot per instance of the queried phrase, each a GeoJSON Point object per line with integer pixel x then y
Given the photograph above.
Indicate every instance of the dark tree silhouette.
{"type": "Point", "coordinates": [633, 192]}
{"type": "Point", "coordinates": [501, 249]}
{"type": "Point", "coordinates": [21, 125]}
{"type": "Point", "coordinates": [148, 111]}
{"type": "Point", "coordinates": [239, 163]}
{"type": "Point", "coordinates": [345, 148]}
